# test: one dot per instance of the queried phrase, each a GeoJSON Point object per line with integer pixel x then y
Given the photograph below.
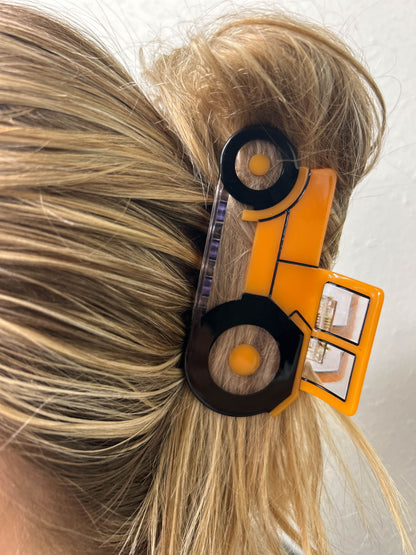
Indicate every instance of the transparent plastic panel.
{"type": "Point", "coordinates": [212, 246]}
{"type": "Point", "coordinates": [332, 366]}
{"type": "Point", "coordinates": [342, 312]}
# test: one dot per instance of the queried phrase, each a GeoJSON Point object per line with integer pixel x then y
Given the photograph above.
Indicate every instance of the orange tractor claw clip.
{"type": "Point", "coordinates": [323, 323]}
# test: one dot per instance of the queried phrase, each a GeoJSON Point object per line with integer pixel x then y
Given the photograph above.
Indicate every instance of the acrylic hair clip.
{"type": "Point", "coordinates": [323, 323]}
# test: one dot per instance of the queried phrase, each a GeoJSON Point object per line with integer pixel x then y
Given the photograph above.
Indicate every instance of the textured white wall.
{"type": "Point", "coordinates": [378, 244]}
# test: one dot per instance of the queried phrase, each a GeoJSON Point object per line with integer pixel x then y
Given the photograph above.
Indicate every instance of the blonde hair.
{"type": "Point", "coordinates": [102, 207]}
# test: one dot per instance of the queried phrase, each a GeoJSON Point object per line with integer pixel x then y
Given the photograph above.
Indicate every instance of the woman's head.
{"type": "Point", "coordinates": [102, 223]}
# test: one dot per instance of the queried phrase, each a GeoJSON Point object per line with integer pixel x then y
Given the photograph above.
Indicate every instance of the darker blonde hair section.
{"type": "Point", "coordinates": [102, 220]}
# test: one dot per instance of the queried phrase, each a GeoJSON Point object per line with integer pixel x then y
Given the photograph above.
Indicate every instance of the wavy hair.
{"type": "Point", "coordinates": [102, 222]}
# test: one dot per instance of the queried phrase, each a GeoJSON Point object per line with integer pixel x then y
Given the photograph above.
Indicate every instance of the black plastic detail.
{"type": "Point", "coordinates": [278, 254]}
{"type": "Point", "coordinates": [279, 190]}
{"type": "Point", "coordinates": [308, 177]}
{"type": "Point", "coordinates": [252, 310]}
{"type": "Point", "coordinates": [297, 263]}
{"type": "Point", "coordinates": [301, 317]}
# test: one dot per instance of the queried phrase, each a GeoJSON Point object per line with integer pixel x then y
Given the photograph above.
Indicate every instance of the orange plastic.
{"type": "Point", "coordinates": [259, 164]}
{"type": "Point", "coordinates": [244, 359]}
{"type": "Point", "coordinates": [284, 266]}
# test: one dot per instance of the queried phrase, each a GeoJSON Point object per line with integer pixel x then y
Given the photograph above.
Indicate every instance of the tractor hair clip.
{"type": "Point", "coordinates": [293, 326]}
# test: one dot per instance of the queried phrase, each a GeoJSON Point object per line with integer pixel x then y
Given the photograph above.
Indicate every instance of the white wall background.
{"type": "Point", "coordinates": [378, 244]}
